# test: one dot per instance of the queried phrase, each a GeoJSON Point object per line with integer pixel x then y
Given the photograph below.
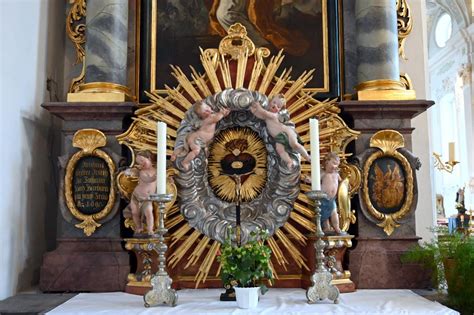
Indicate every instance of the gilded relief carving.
{"type": "Point", "coordinates": [405, 25]}
{"type": "Point", "coordinates": [388, 189]}
{"type": "Point", "coordinates": [388, 185]}
{"type": "Point", "coordinates": [76, 31]}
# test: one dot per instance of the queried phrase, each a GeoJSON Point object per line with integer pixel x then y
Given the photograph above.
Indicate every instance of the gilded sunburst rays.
{"type": "Point", "coordinates": [249, 71]}
{"type": "Point", "coordinates": [238, 151]}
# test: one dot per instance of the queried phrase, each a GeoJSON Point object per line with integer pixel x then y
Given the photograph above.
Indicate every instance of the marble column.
{"type": "Point", "coordinates": [376, 40]}
{"type": "Point", "coordinates": [106, 41]}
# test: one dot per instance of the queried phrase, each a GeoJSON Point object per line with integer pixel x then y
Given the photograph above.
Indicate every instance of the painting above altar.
{"type": "Point", "coordinates": [171, 32]}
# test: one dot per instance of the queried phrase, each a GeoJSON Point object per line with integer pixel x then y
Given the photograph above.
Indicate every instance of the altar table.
{"type": "Point", "coordinates": [274, 302]}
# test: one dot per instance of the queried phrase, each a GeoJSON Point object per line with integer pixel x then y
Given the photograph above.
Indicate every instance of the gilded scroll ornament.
{"type": "Point", "coordinates": [346, 215]}
{"type": "Point", "coordinates": [388, 182]}
{"type": "Point", "coordinates": [89, 180]}
{"type": "Point", "coordinates": [405, 25]}
{"type": "Point", "coordinates": [76, 31]}
{"type": "Point", "coordinates": [406, 81]}
{"type": "Point", "coordinates": [353, 175]}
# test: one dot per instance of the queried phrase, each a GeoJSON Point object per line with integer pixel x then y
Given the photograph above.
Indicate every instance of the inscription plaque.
{"type": "Point", "coordinates": [91, 184]}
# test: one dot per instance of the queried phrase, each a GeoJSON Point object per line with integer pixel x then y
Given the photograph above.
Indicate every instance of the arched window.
{"type": "Point", "coordinates": [443, 30]}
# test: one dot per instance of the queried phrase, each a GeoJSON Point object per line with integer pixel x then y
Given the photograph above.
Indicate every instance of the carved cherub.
{"type": "Point", "coordinates": [285, 135]}
{"type": "Point", "coordinates": [200, 138]}
{"type": "Point", "coordinates": [140, 205]}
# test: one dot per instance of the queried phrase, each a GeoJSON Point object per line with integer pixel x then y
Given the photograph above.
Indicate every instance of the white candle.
{"type": "Point", "coordinates": [161, 158]}
{"type": "Point", "coordinates": [315, 166]}
{"type": "Point", "coordinates": [451, 152]}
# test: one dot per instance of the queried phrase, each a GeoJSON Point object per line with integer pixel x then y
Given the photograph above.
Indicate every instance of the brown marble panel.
{"type": "Point", "coordinates": [375, 264]}
{"type": "Point", "coordinates": [85, 266]}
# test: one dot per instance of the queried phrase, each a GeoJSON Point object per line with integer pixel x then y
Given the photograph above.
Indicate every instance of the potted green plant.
{"type": "Point", "coordinates": [450, 257]}
{"type": "Point", "coordinates": [246, 267]}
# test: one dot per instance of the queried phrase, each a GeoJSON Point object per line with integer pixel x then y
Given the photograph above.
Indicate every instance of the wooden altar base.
{"type": "Point", "coordinates": [78, 265]}
{"type": "Point", "coordinates": [144, 250]}
{"type": "Point", "coordinates": [184, 273]}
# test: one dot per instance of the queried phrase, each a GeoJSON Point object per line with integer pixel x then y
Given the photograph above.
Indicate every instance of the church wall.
{"type": "Point", "coordinates": [416, 51]}
{"type": "Point", "coordinates": [452, 116]}
{"type": "Point", "coordinates": [32, 50]}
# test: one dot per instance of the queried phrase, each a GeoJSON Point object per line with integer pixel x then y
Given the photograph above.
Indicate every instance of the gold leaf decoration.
{"type": "Point", "coordinates": [388, 225]}
{"type": "Point", "coordinates": [237, 151]}
{"type": "Point", "coordinates": [404, 24]}
{"type": "Point", "coordinates": [387, 140]}
{"type": "Point", "coordinates": [76, 31]}
{"type": "Point", "coordinates": [89, 139]}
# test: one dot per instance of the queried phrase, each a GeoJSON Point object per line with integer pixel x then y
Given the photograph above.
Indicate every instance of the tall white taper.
{"type": "Point", "coordinates": [161, 158]}
{"type": "Point", "coordinates": [315, 163]}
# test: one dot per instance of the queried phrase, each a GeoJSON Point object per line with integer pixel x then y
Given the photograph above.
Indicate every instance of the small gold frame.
{"type": "Point", "coordinates": [88, 140]}
{"type": "Point", "coordinates": [388, 141]}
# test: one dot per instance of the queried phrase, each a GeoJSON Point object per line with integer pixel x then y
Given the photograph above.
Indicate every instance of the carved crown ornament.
{"type": "Point", "coordinates": [205, 195]}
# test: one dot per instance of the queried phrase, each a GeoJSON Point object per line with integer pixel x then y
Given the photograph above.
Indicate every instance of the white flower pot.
{"type": "Point", "coordinates": [247, 297]}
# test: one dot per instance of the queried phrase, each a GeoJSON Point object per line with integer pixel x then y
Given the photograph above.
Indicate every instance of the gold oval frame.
{"type": "Point", "coordinates": [388, 141]}
{"type": "Point", "coordinates": [88, 140]}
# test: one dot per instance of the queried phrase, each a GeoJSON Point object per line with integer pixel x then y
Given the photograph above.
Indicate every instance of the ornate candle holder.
{"type": "Point", "coordinates": [321, 278]}
{"type": "Point", "coordinates": [444, 166]}
{"type": "Point", "coordinates": [161, 293]}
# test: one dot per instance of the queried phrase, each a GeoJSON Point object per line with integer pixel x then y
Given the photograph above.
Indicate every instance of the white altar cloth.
{"type": "Point", "coordinates": [275, 302]}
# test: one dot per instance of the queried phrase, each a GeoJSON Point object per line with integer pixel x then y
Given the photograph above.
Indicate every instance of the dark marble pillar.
{"type": "Point", "coordinates": [374, 260]}
{"type": "Point", "coordinates": [377, 40]}
{"type": "Point", "coordinates": [86, 263]}
{"type": "Point", "coordinates": [106, 41]}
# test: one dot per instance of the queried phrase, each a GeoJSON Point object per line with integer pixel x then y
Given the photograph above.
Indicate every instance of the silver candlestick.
{"type": "Point", "coordinates": [161, 293]}
{"type": "Point", "coordinates": [321, 278]}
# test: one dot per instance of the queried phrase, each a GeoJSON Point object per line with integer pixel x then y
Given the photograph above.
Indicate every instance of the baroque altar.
{"type": "Point", "coordinates": [237, 75]}
{"type": "Point", "coordinates": [371, 138]}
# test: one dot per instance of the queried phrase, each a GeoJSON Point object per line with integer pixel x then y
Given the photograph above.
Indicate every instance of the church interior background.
{"type": "Point", "coordinates": [50, 90]}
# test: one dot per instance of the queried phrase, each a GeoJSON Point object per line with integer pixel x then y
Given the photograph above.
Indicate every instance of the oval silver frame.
{"type": "Point", "coordinates": [213, 216]}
